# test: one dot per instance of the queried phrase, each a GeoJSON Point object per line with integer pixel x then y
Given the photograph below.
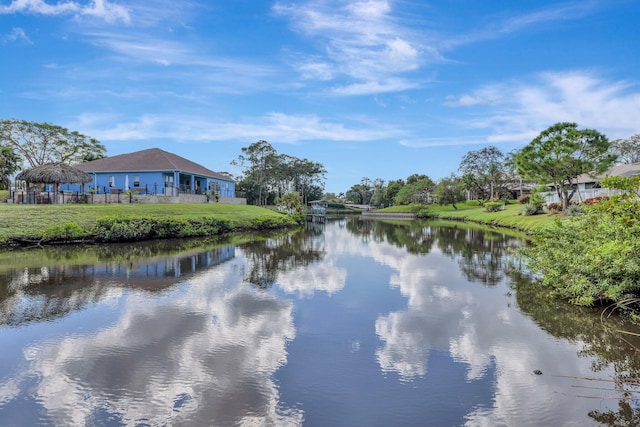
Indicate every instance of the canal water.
{"type": "Point", "coordinates": [349, 323]}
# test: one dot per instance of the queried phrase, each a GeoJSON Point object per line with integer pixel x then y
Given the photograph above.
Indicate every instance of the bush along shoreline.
{"type": "Point", "coordinates": [592, 258]}
{"type": "Point", "coordinates": [117, 229]}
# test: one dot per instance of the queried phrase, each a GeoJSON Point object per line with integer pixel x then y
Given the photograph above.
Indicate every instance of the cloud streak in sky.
{"type": "Point", "coordinates": [501, 26]}
{"type": "Point", "coordinates": [15, 35]}
{"type": "Point", "coordinates": [275, 126]}
{"type": "Point", "coordinates": [101, 9]}
{"type": "Point", "coordinates": [360, 45]}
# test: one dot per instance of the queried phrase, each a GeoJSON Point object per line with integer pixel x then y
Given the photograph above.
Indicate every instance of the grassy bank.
{"type": "Point", "coordinates": [509, 217]}
{"type": "Point", "coordinates": [127, 222]}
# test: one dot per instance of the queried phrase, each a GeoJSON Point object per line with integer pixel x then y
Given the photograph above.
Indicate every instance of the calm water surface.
{"type": "Point", "coordinates": [352, 323]}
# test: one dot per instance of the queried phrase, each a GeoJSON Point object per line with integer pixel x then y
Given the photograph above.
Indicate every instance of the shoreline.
{"type": "Point", "coordinates": [48, 225]}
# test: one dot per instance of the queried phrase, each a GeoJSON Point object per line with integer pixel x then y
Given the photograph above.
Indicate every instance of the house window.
{"type": "Point", "coordinates": [590, 185]}
{"type": "Point", "coordinates": [215, 187]}
{"type": "Point", "coordinates": [136, 180]}
{"type": "Point", "coordinates": [112, 181]}
{"type": "Point", "coordinates": [168, 180]}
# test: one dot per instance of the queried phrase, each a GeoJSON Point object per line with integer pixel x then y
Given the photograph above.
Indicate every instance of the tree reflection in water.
{"type": "Point", "coordinates": [482, 251]}
{"type": "Point", "coordinates": [54, 283]}
{"type": "Point", "coordinates": [603, 339]}
{"type": "Point", "coordinates": [270, 257]}
{"type": "Point", "coordinates": [484, 256]}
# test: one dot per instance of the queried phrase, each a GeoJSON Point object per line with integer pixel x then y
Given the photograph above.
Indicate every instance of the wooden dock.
{"type": "Point", "coordinates": [317, 212]}
{"type": "Point", "coordinates": [316, 217]}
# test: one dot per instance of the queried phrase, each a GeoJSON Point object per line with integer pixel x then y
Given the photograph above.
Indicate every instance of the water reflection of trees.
{"type": "Point", "coordinates": [602, 340]}
{"type": "Point", "coordinates": [54, 290]}
{"type": "Point", "coordinates": [481, 252]}
{"type": "Point", "coordinates": [267, 258]}
{"type": "Point", "coordinates": [415, 236]}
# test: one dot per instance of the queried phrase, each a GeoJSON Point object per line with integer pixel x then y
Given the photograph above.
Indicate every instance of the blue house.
{"type": "Point", "coordinates": [152, 171]}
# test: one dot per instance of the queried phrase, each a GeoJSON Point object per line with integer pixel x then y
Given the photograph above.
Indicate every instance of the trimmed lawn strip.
{"type": "Point", "coordinates": [31, 222]}
{"type": "Point", "coordinates": [509, 217]}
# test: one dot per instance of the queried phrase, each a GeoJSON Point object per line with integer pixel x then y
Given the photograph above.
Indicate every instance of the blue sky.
{"type": "Point", "coordinates": [377, 89]}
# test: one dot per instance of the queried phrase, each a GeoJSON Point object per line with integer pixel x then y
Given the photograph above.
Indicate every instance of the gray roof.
{"type": "Point", "coordinates": [627, 169]}
{"type": "Point", "coordinates": [150, 160]}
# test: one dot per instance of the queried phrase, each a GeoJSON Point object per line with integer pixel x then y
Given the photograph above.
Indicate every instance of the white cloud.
{"type": "Point", "coordinates": [110, 12]}
{"type": "Point", "coordinates": [103, 9]}
{"type": "Point", "coordinates": [402, 55]}
{"type": "Point", "coordinates": [15, 35]}
{"type": "Point", "coordinates": [373, 9]}
{"type": "Point", "coordinates": [487, 95]}
{"type": "Point", "coordinates": [375, 87]}
{"type": "Point", "coordinates": [40, 7]}
{"type": "Point", "coordinates": [521, 109]}
{"type": "Point", "coordinates": [315, 70]}
{"type": "Point", "coordinates": [361, 41]}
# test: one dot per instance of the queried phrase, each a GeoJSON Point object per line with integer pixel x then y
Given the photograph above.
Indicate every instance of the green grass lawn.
{"type": "Point", "coordinates": [30, 221]}
{"type": "Point", "coordinates": [509, 217]}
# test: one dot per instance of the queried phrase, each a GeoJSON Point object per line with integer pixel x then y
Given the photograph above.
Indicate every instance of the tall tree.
{"type": "Point", "coordinates": [354, 195]}
{"type": "Point", "coordinates": [41, 143]}
{"type": "Point", "coordinates": [450, 191]}
{"type": "Point", "coordinates": [415, 177]}
{"type": "Point", "coordinates": [268, 175]}
{"type": "Point", "coordinates": [560, 154]}
{"type": "Point", "coordinates": [9, 164]}
{"type": "Point", "coordinates": [377, 198]}
{"type": "Point", "coordinates": [360, 193]}
{"type": "Point", "coordinates": [487, 166]}
{"type": "Point", "coordinates": [627, 150]}
{"type": "Point", "coordinates": [469, 184]}
{"type": "Point", "coordinates": [366, 190]}
{"type": "Point", "coordinates": [391, 191]}
{"type": "Point", "coordinates": [415, 192]}
{"type": "Point", "coordinates": [258, 159]}
{"type": "Point", "coordinates": [308, 178]}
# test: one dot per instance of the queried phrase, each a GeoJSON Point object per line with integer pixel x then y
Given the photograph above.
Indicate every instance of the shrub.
{"type": "Point", "coordinates": [505, 198]}
{"type": "Point", "coordinates": [124, 229]}
{"type": "Point", "coordinates": [65, 232]}
{"type": "Point", "coordinates": [524, 199]}
{"type": "Point", "coordinates": [595, 200]}
{"type": "Point", "coordinates": [574, 209]}
{"type": "Point", "coordinates": [420, 210]}
{"type": "Point", "coordinates": [592, 257]}
{"type": "Point", "coordinates": [554, 207]}
{"type": "Point", "coordinates": [537, 200]}
{"type": "Point", "coordinates": [529, 209]}
{"type": "Point", "coordinates": [493, 206]}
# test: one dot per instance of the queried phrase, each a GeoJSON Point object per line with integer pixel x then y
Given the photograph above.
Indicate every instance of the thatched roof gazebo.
{"type": "Point", "coordinates": [54, 173]}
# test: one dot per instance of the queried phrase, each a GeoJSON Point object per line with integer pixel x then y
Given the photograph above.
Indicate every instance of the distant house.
{"type": "Point", "coordinates": [153, 171]}
{"type": "Point", "coordinates": [588, 186]}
